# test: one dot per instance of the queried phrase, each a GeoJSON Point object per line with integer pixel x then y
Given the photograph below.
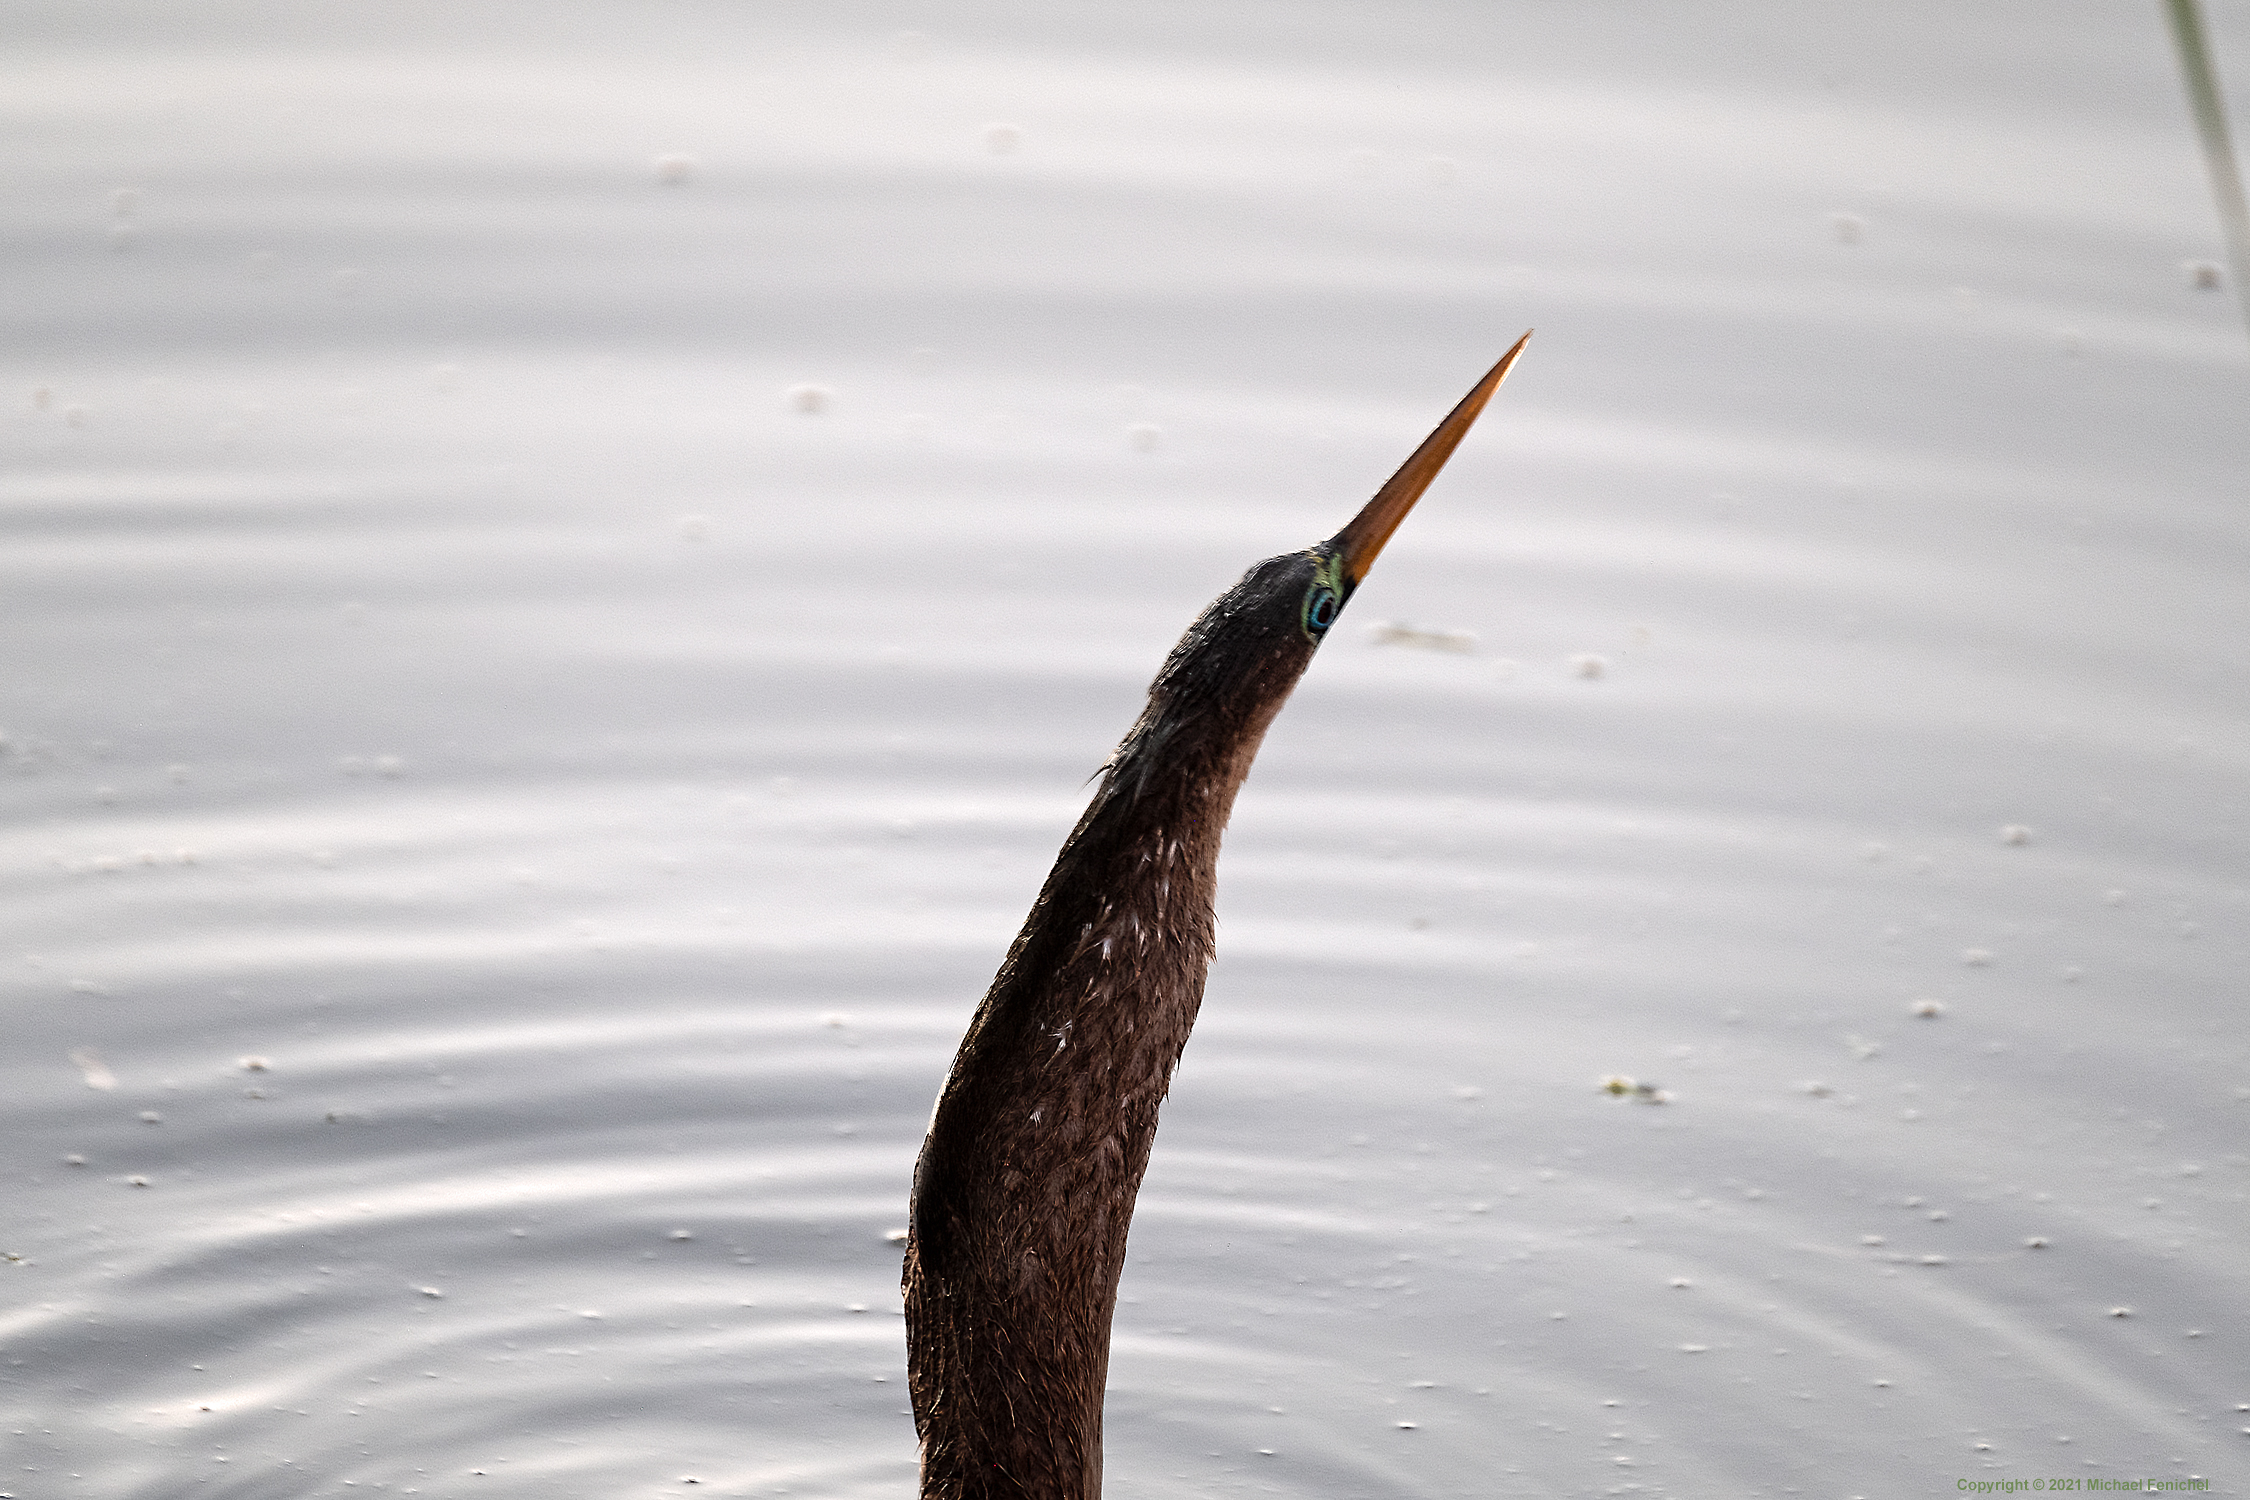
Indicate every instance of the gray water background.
{"type": "Point", "coordinates": [508, 813]}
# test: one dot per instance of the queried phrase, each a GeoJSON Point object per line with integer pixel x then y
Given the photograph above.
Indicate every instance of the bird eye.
{"type": "Point", "coordinates": [1325, 595]}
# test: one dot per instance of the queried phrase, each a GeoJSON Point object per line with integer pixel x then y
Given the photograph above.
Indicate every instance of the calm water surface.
{"type": "Point", "coordinates": [566, 568]}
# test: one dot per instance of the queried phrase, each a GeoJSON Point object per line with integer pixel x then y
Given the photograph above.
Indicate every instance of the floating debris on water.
{"type": "Point", "coordinates": [2037, 1242]}
{"type": "Point", "coordinates": [381, 765]}
{"type": "Point", "coordinates": [1619, 1086]}
{"type": "Point", "coordinates": [2015, 833]}
{"type": "Point", "coordinates": [1389, 633]}
{"type": "Point", "coordinates": [93, 1069]}
{"type": "Point", "coordinates": [1976, 958]}
{"type": "Point", "coordinates": [2120, 1312]}
{"type": "Point", "coordinates": [894, 1236]}
{"type": "Point", "coordinates": [151, 1117]}
{"type": "Point", "coordinates": [434, 1293]}
{"type": "Point", "coordinates": [682, 1234]}
{"type": "Point", "coordinates": [1929, 1010]}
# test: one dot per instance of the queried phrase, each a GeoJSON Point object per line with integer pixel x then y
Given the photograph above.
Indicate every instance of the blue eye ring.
{"type": "Point", "coordinates": [1324, 599]}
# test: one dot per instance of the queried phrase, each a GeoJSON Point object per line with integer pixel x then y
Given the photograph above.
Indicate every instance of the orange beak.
{"type": "Point", "coordinates": [1372, 527]}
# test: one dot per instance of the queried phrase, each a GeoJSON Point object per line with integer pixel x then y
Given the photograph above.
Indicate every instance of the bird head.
{"type": "Point", "coordinates": [1245, 652]}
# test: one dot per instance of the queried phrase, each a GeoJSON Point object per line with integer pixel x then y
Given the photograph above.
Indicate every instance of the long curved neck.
{"type": "Point", "coordinates": [1026, 1183]}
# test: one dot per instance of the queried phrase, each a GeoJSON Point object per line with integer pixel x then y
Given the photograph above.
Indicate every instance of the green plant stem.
{"type": "Point", "coordinates": [2218, 149]}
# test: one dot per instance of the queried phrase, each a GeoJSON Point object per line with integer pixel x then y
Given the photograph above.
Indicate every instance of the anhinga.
{"type": "Point", "coordinates": [1026, 1181]}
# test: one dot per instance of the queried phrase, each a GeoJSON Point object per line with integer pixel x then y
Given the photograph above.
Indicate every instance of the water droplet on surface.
{"type": "Point", "coordinates": [93, 1069]}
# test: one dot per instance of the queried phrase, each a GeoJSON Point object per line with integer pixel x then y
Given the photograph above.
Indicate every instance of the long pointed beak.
{"type": "Point", "coordinates": [1372, 527]}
